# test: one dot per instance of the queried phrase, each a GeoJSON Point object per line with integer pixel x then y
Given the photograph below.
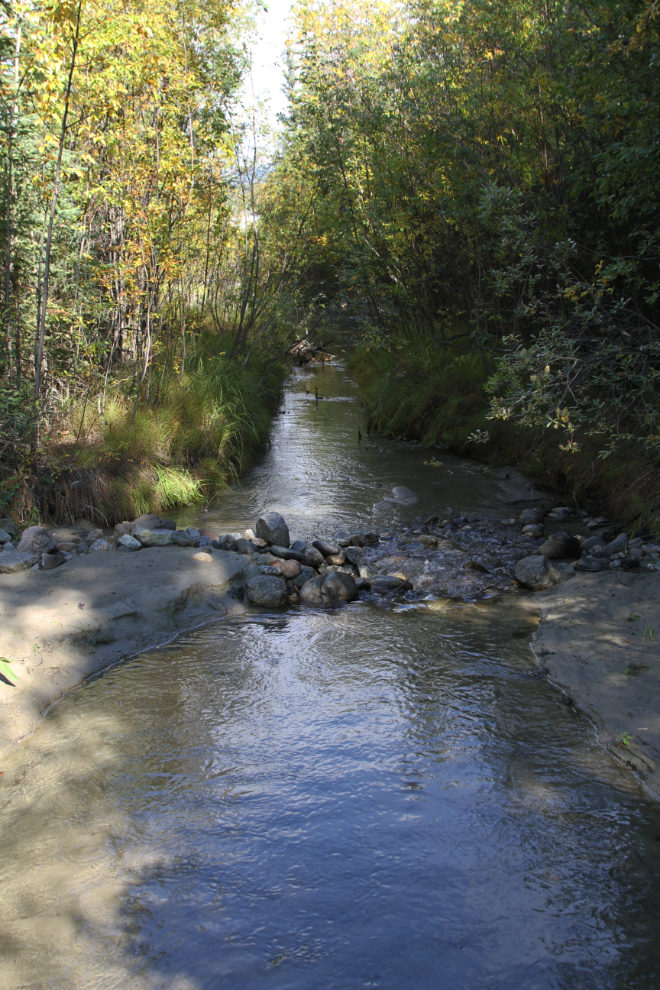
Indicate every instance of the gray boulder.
{"type": "Point", "coordinates": [532, 529]}
{"type": "Point", "coordinates": [537, 573]}
{"type": "Point", "coordinates": [96, 534]}
{"type": "Point", "coordinates": [152, 537]}
{"type": "Point", "coordinates": [195, 533]}
{"type": "Point", "coordinates": [326, 547]}
{"type": "Point", "coordinates": [122, 528]}
{"type": "Point", "coordinates": [36, 540]}
{"type": "Point", "coordinates": [101, 544]}
{"type": "Point", "coordinates": [49, 561]}
{"type": "Point", "coordinates": [310, 592]}
{"type": "Point", "coordinates": [5, 537]}
{"type": "Point", "coordinates": [560, 545]}
{"type": "Point", "coordinates": [272, 528]}
{"type": "Point", "coordinates": [618, 545]}
{"type": "Point", "coordinates": [243, 546]}
{"type": "Point", "coordinates": [306, 574]}
{"type": "Point", "coordinates": [530, 517]}
{"type": "Point", "coordinates": [9, 526]}
{"type": "Point", "coordinates": [592, 542]}
{"type": "Point", "coordinates": [147, 521]}
{"type": "Point", "coordinates": [338, 587]}
{"type": "Point", "coordinates": [286, 553]}
{"type": "Point", "coordinates": [128, 542]}
{"type": "Point", "coordinates": [181, 538]}
{"type": "Point", "coordinates": [384, 583]}
{"type": "Point", "coordinates": [15, 560]}
{"type": "Point", "coordinates": [311, 556]}
{"type": "Point", "coordinates": [267, 591]}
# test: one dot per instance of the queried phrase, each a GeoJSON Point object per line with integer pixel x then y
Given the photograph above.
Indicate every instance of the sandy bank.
{"type": "Point", "coordinates": [600, 641]}
{"type": "Point", "coordinates": [57, 627]}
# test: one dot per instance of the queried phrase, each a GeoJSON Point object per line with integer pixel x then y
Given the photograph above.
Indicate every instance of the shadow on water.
{"type": "Point", "coordinates": [344, 799]}
{"type": "Point", "coordinates": [368, 797]}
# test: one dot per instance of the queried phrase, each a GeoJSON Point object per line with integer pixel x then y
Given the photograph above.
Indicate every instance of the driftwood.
{"type": "Point", "coordinates": [304, 352]}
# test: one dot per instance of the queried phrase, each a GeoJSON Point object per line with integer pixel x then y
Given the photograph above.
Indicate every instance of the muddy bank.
{"type": "Point", "coordinates": [599, 640]}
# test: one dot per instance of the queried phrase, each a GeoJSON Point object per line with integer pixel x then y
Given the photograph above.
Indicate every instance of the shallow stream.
{"type": "Point", "coordinates": [380, 796]}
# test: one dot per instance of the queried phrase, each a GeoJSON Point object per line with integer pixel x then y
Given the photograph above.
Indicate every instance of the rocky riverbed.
{"type": "Point", "coordinates": [76, 599]}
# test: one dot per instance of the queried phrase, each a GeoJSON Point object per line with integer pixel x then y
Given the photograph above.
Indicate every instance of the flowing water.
{"type": "Point", "coordinates": [364, 797]}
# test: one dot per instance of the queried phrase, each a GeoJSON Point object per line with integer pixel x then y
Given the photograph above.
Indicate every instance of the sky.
{"type": "Point", "coordinates": [266, 54]}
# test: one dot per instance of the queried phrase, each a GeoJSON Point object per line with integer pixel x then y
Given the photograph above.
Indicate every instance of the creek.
{"type": "Point", "coordinates": [379, 795]}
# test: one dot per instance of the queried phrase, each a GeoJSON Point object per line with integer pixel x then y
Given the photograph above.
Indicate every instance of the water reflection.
{"type": "Point", "coordinates": [355, 798]}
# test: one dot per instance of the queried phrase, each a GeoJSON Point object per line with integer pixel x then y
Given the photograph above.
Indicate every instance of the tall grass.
{"type": "Point", "coordinates": [114, 462]}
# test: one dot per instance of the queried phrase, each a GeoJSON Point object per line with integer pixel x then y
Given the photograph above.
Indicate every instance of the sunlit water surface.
{"type": "Point", "coordinates": [366, 797]}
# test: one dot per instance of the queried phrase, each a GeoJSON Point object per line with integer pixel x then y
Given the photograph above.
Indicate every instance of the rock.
{"type": "Point", "coordinates": [630, 563]}
{"type": "Point", "coordinates": [147, 521]}
{"type": "Point", "coordinates": [537, 573]}
{"type": "Point", "coordinates": [206, 541]}
{"type": "Point", "coordinates": [532, 529]}
{"type": "Point", "coordinates": [355, 556]}
{"type": "Point", "coordinates": [650, 548]}
{"type": "Point", "coordinates": [222, 543]}
{"type": "Point", "coordinates": [181, 538]}
{"type": "Point", "coordinates": [100, 544]}
{"type": "Point", "coordinates": [560, 512]}
{"type": "Point", "coordinates": [336, 558]}
{"type": "Point", "coordinates": [402, 496]}
{"type": "Point", "coordinates": [203, 558]}
{"type": "Point", "coordinates": [306, 574]}
{"type": "Point", "coordinates": [9, 526]}
{"type": "Point", "coordinates": [362, 584]}
{"type": "Point", "coordinates": [167, 524]}
{"type": "Point", "coordinates": [4, 536]}
{"type": "Point", "coordinates": [153, 537]}
{"type": "Point", "coordinates": [49, 561]}
{"type": "Point", "coordinates": [560, 545]}
{"type": "Point", "coordinates": [16, 560]}
{"type": "Point", "coordinates": [617, 545]}
{"type": "Point", "coordinates": [68, 547]}
{"type": "Point", "coordinates": [128, 542]}
{"type": "Point", "coordinates": [589, 563]}
{"type": "Point", "coordinates": [211, 534]}
{"type": "Point", "coordinates": [592, 542]}
{"type": "Point", "coordinates": [122, 528]}
{"type": "Point", "coordinates": [338, 587]}
{"type": "Point", "coordinates": [195, 533]}
{"type": "Point", "coordinates": [326, 547]}
{"type": "Point", "coordinates": [286, 553]}
{"type": "Point", "coordinates": [310, 593]}
{"type": "Point", "coordinates": [290, 569]}
{"type": "Point", "coordinates": [530, 517]}
{"type": "Point", "coordinates": [269, 592]}
{"type": "Point", "coordinates": [36, 540]}
{"type": "Point", "coordinates": [383, 583]}
{"type": "Point", "coordinates": [383, 506]}
{"type": "Point", "coordinates": [272, 528]}
{"type": "Point", "coordinates": [475, 565]}
{"type": "Point", "coordinates": [243, 546]}
{"type": "Point", "coordinates": [635, 553]}
{"type": "Point", "coordinates": [266, 558]}
{"type": "Point", "coordinates": [311, 556]}
{"type": "Point", "coordinates": [96, 534]}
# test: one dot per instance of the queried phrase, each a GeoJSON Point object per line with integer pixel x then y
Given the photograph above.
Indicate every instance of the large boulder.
{"type": "Point", "coordinates": [101, 545]}
{"type": "Point", "coordinates": [287, 553]}
{"type": "Point", "coordinates": [182, 538]}
{"type": "Point", "coordinates": [15, 560]}
{"type": "Point", "coordinates": [560, 545]}
{"type": "Point", "coordinates": [36, 540]}
{"type": "Point", "coordinates": [537, 573]}
{"type": "Point", "coordinates": [267, 591]}
{"type": "Point", "coordinates": [329, 589]}
{"type": "Point", "coordinates": [5, 537]}
{"type": "Point", "coordinates": [272, 528]}
{"type": "Point", "coordinates": [128, 542]}
{"type": "Point", "coordinates": [153, 537]}
{"type": "Point", "coordinates": [592, 543]}
{"type": "Point", "coordinates": [618, 545]}
{"type": "Point", "coordinates": [384, 583]}
{"type": "Point", "coordinates": [311, 556]}
{"type": "Point", "coordinates": [49, 561]}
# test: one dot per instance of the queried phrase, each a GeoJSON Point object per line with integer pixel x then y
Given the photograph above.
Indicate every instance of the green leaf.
{"type": "Point", "coordinates": [6, 670]}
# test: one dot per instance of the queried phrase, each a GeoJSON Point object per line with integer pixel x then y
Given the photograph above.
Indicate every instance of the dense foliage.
{"type": "Point", "coordinates": [133, 222]}
{"type": "Point", "coordinates": [485, 177]}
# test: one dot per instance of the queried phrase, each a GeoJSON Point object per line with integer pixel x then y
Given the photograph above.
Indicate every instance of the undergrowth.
{"type": "Point", "coordinates": [439, 399]}
{"type": "Point", "coordinates": [111, 461]}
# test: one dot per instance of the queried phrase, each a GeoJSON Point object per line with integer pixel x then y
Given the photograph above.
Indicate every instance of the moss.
{"type": "Point", "coordinates": [440, 400]}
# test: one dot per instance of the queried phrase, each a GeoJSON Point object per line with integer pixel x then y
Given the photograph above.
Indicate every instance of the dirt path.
{"type": "Point", "coordinates": [600, 641]}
